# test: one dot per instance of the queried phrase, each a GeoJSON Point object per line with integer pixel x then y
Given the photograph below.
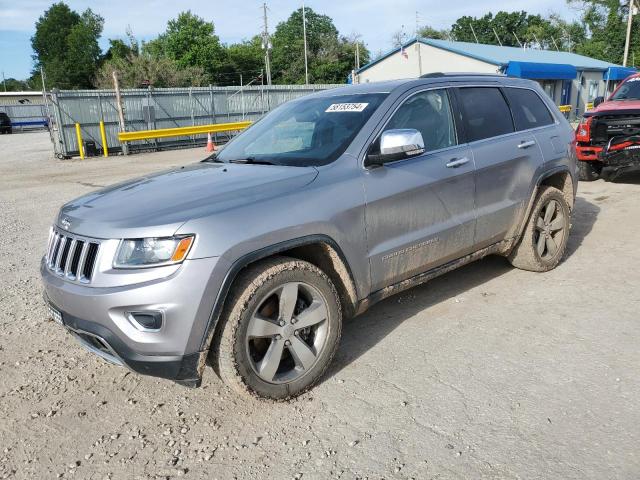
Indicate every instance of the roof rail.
{"type": "Point", "coordinates": [460, 74]}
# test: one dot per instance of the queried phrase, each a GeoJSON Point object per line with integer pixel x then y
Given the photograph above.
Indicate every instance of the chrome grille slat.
{"type": "Point", "coordinates": [83, 257]}
{"type": "Point", "coordinates": [61, 246]}
{"type": "Point", "coordinates": [72, 256]}
{"type": "Point", "coordinates": [54, 250]}
{"type": "Point", "coordinates": [49, 243]}
{"type": "Point", "coordinates": [69, 259]}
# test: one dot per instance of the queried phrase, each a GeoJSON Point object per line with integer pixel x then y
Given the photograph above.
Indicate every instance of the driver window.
{"type": "Point", "coordinates": [428, 112]}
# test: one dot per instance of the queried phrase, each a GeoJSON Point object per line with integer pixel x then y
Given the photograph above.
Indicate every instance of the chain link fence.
{"type": "Point", "coordinates": [150, 109]}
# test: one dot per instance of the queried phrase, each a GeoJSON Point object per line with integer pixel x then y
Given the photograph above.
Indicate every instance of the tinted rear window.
{"type": "Point", "coordinates": [485, 113]}
{"type": "Point", "coordinates": [529, 111]}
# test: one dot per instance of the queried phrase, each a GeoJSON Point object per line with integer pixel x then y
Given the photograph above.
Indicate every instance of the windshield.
{"type": "Point", "coordinates": [629, 90]}
{"type": "Point", "coordinates": [303, 133]}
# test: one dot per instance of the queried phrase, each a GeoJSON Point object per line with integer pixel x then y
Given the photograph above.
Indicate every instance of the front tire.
{"type": "Point", "coordinates": [545, 237]}
{"type": "Point", "coordinates": [589, 171]}
{"type": "Point", "coordinates": [280, 329]}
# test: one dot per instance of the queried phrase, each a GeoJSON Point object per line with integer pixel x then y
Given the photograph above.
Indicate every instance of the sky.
{"type": "Point", "coordinates": [374, 20]}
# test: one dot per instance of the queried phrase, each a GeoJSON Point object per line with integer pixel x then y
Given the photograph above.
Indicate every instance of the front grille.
{"type": "Point", "coordinates": [71, 256]}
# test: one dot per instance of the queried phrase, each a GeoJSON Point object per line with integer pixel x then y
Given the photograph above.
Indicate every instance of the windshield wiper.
{"type": "Point", "coordinates": [213, 158]}
{"type": "Point", "coordinates": [251, 161]}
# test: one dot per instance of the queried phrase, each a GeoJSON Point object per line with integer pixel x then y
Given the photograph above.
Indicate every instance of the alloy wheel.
{"type": "Point", "coordinates": [287, 332]}
{"type": "Point", "coordinates": [550, 230]}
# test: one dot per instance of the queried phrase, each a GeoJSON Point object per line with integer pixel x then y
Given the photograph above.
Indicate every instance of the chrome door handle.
{"type": "Point", "coordinates": [527, 144]}
{"type": "Point", "coordinates": [457, 162]}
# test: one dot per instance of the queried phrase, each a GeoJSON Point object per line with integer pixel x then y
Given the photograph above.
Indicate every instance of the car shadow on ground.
{"type": "Point", "coordinates": [632, 178]}
{"type": "Point", "coordinates": [362, 333]}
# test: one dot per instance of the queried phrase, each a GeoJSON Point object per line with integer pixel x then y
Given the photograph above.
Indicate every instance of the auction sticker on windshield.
{"type": "Point", "coordinates": [346, 107]}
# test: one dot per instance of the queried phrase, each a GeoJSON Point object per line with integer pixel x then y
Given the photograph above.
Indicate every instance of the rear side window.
{"type": "Point", "coordinates": [529, 111]}
{"type": "Point", "coordinates": [485, 113]}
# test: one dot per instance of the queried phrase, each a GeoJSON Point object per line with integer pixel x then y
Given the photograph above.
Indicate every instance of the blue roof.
{"type": "Point", "coordinates": [501, 56]}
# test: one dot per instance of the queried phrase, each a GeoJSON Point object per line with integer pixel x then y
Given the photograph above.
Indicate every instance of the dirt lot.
{"type": "Point", "coordinates": [487, 372]}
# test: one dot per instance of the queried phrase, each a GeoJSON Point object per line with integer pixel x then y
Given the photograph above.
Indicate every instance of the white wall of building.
{"type": "Point", "coordinates": [422, 59]}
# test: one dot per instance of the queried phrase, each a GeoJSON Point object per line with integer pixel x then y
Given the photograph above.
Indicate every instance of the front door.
{"type": "Point", "coordinates": [420, 211]}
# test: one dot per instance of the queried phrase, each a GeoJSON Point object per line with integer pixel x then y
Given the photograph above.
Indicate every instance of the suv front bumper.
{"type": "Point", "coordinates": [98, 318]}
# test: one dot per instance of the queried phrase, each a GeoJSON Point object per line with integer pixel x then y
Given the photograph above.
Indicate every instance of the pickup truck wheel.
{"type": "Point", "coordinates": [544, 239]}
{"type": "Point", "coordinates": [281, 328]}
{"type": "Point", "coordinates": [589, 171]}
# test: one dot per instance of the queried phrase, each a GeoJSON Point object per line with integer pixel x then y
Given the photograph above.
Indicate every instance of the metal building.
{"type": "Point", "coordinates": [568, 78]}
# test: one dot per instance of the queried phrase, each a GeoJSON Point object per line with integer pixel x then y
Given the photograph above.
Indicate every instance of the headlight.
{"type": "Point", "coordinates": [152, 252]}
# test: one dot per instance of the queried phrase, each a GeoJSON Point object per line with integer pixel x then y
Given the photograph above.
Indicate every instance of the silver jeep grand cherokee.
{"type": "Point", "coordinates": [251, 259]}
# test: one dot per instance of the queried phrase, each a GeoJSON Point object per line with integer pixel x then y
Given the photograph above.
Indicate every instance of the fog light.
{"type": "Point", "coordinates": [146, 321]}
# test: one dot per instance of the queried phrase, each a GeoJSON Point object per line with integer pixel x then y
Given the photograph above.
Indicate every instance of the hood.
{"type": "Point", "coordinates": [616, 105]}
{"type": "Point", "coordinates": [157, 205]}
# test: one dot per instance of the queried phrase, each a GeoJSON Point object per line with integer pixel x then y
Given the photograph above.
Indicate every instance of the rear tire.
{"type": "Point", "coordinates": [545, 237]}
{"type": "Point", "coordinates": [279, 330]}
{"type": "Point", "coordinates": [589, 171]}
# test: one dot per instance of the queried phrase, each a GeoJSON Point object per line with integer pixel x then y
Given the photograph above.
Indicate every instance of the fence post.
{"type": "Point", "coordinates": [58, 115]}
{"type": "Point", "coordinates": [193, 120]}
{"type": "Point", "coordinates": [123, 126]}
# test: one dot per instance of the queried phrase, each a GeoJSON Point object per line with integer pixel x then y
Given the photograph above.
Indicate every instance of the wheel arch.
{"type": "Point", "coordinates": [560, 178]}
{"type": "Point", "coordinates": [319, 250]}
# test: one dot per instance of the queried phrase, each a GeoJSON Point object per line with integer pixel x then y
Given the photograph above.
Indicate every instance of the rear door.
{"type": "Point", "coordinates": [505, 160]}
{"type": "Point", "coordinates": [531, 113]}
{"type": "Point", "coordinates": [420, 211]}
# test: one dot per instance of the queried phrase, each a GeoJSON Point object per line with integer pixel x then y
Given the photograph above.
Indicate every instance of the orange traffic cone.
{"type": "Point", "coordinates": [211, 147]}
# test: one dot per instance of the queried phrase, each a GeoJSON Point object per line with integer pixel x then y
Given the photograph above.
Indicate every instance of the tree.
{"type": "Point", "coordinates": [119, 48]}
{"type": "Point", "coordinates": [330, 57]}
{"type": "Point", "coordinates": [430, 32]}
{"type": "Point", "coordinates": [135, 71]}
{"type": "Point", "coordinates": [66, 46]}
{"type": "Point", "coordinates": [606, 24]}
{"type": "Point", "coordinates": [14, 85]}
{"type": "Point", "coordinates": [245, 58]}
{"type": "Point", "coordinates": [190, 41]}
{"type": "Point", "coordinates": [516, 29]}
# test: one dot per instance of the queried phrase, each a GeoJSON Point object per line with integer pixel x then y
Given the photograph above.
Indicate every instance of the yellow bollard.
{"type": "Point", "coordinates": [79, 137]}
{"type": "Point", "coordinates": [103, 134]}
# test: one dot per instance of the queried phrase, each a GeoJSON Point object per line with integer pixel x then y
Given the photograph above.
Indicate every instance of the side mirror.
{"type": "Point", "coordinates": [395, 145]}
{"type": "Point", "coordinates": [597, 101]}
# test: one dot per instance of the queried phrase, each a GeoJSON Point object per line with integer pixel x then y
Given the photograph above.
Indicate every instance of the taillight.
{"type": "Point", "coordinates": [583, 132]}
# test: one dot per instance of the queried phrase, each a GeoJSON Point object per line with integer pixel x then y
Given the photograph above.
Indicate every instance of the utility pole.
{"type": "Point", "coordinates": [304, 33]}
{"type": "Point", "coordinates": [4, 82]}
{"type": "Point", "coordinates": [266, 44]}
{"type": "Point", "coordinates": [417, 23]}
{"type": "Point", "coordinates": [628, 39]}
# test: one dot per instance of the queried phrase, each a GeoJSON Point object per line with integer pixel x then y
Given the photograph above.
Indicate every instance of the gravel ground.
{"type": "Point", "coordinates": [487, 372]}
